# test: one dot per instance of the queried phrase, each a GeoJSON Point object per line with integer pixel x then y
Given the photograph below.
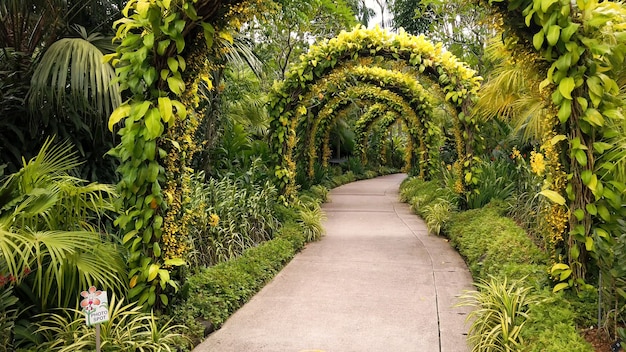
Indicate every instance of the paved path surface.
{"type": "Point", "coordinates": [376, 282]}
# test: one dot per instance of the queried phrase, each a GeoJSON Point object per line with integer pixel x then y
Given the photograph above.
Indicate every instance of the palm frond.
{"type": "Point", "coordinates": [73, 70]}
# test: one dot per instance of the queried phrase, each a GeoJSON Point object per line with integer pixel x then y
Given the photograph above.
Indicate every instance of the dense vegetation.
{"type": "Point", "coordinates": [223, 127]}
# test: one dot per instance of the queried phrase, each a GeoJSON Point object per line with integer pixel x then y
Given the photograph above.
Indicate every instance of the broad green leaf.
{"type": "Point", "coordinates": [559, 266]}
{"type": "Point", "coordinates": [538, 39]}
{"type": "Point", "coordinates": [579, 214]}
{"type": "Point", "coordinates": [565, 274]}
{"type": "Point", "coordinates": [601, 147]}
{"type": "Point", "coordinates": [553, 34]}
{"type": "Point", "coordinates": [545, 4]}
{"type": "Point", "coordinates": [589, 243]}
{"type": "Point", "coordinates": [565, 111]}
{"type": "Point", "coordinates": [581, 157]}
{"type": "Point", "coordinates": [566, 86]}
{"type": "Point", "coordinates": [560, 286]}
{"type": "Point", "coordinates": [553, 196]}
{"type": "Point", "coordinates": [172, 63]}
{"type": "Point", "coordinates": [594, 117]}
{"type": "Point", "coordinates": [604, 213]}
{"type": "Point", "coordinates": [153, 124]}
{"type": "Point", "coordinates": [118, 114]}
{"type": "Point", "coordinates": [153, 271]}
{"type": "Point", "coordinates": [556, 139]}
{"type": "Point", "coordinates": [567, 32]}
{"type": "Point", "coordinates": [176, 84]}
{"type": "Point", "coordinates": [165, 109]}
{"type": "Point", "coordinates": [591, 209]}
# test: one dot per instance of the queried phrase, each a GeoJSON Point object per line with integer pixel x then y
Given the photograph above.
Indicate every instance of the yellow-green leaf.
{"type": "Point", "coordinates": [176, 85]}
{"type": "Point", "coordinates": [119, 113]}
{"type": "Point", "coordinates": [553, 34]}
{"type": "Point", "coordinates": [175, 262]}
{"type": "Point", "coordinates": [560, 286]}
{"type": "Point", "coordinates": [153, 271]}
{"type": "Point", "coordinates": [566, 86]}
{"type": "Point", "coordinates": [594, 117]}
{"type": "Point", "coordinates": [538, 39]}
{"type": "Point", "coordinates": [589, 243]}
{"type": "Point", "coordinates": [553, 196]}
{"type": "Point", "coordinates": [165, 109]}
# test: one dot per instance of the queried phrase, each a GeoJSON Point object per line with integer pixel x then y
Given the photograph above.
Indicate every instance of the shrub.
{"type": "Point", "coordinates": [129, 329]}
{"type": "Point", "coordinates": [229, 216]}
{"type": "Point", "coordinates": [214, 293]}
{"type": "Point", "coordinates": [500, 312]}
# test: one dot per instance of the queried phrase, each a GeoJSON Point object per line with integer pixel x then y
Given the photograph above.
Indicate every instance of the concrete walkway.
{"type": "Point", "coordinates": [376, 282]}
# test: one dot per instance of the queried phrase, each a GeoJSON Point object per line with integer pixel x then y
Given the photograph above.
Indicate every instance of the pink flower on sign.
{"type": "Point", "coordinates": [90, 299]}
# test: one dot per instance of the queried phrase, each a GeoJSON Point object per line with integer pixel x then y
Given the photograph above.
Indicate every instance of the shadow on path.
{"type": "Point", "coordinates": [376, 282]}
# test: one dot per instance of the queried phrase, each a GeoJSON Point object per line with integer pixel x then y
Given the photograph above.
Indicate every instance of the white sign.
{"type": "Point", "coordinates": [95, 304]}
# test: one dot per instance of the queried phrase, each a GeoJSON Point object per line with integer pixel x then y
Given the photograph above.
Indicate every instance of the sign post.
{"type": "Point", "coordinates": [95, 304]}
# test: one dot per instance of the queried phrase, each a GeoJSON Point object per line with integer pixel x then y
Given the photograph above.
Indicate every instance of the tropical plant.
{"type": "Point", "coordinates": [52, 241]}
{"type": "Point", "coordinates": [128, 329]}
{"type": "Point", "coordinates": [496, 182]}
{"type": "Point", "coordinates": [437, 214]}
{"type": "Point", "coordinates": [228, 216]}
{"type": "Point", "coordinates": [62, 80]}
{"type": "Point", "coordinates": [8, 315]}
{"type": "Point", "coordinates": [500, 311]}
{"type": "Point", "coordinates": [310, 218]}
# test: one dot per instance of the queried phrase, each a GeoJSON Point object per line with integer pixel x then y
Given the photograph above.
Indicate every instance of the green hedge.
{"type": "Point", "coordinates": [215, 293]}
{"type": "Point", "coordinates": [493, 245]}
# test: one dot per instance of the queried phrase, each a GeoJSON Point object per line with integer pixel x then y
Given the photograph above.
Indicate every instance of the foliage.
{"type": "Point", "coordinates": [494, 247]}
{"type": "Point", "coordinates": [8, 317]}
{"type": "Point", "coordinates": [128, 329]}
{"type": "Point", "coordinates": [436, 215]}
{"type": "Point", "coordinates": [283, 35]}
{"type": "Point", "coordinates": [495, 181]}
{"type": "Point", "coordinates": [551, 326]}
{"type": "Point", "coordinates": [500, 312]}
{"type": "Point", "coordinates": [36, 35]}
{"type": "Point", "coordinates": [457, 80]}
{"type": "Point", "coordinates": [214, 293]}
{"type": "Point", "coordinates": [311, 218]}
{"type": "Point", "coordinates": [229, 215]}
{"type": "Point", "coordinates": [462, 26]}
{"type": "Point", "coordinates": [152, 66]}
{"type": "Point", "coordinates": [51, 244]}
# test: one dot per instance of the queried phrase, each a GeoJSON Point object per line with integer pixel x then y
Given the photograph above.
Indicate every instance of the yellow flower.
{"type": "Point", "coordinates": [515, 154]}
{"type": "Point", "coordinates": [214, 220]}
{"type": "Point", "coordinates": [537, 163]}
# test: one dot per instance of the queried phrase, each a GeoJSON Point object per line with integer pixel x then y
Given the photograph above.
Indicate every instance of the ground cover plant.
{"type": "Point", "coordinates": [508, 266]}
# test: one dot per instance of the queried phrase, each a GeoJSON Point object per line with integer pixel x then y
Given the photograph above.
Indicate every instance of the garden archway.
{"type": "Point", "coordinates": [286, 102]}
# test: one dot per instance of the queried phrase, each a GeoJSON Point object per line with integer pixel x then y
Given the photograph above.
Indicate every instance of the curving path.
{"type": "Point", "coordinates": [376, 282]}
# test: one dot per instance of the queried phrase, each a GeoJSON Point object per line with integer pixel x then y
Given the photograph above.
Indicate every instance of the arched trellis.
{"type": "Point", "coordinates": [457, 80]}
{"type": "Point", "coordinates": [343, 78]}
{"type": "Point", "coordinates": [377, 116]}
{"type": "Point", "coordinates": [328, 114]}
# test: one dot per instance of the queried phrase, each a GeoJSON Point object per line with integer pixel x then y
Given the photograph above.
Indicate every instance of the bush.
{"type": "Point", "coordinates": [214, 293]}
{"type": "Point", "coordinates": [494, 246]}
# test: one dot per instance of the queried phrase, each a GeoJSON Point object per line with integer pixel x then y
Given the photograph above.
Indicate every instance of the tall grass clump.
{"type": "Point", "coordinates": [230, 215]}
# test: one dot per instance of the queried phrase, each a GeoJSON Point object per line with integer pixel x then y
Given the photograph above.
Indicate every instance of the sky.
{"type": "Point", "coordinates": [374, 6]}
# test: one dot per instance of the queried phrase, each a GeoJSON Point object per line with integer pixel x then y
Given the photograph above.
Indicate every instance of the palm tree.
{"type": "Point", "coordinates": [63, 80]}
{"type": "Point", "coordinates": [52, 241]}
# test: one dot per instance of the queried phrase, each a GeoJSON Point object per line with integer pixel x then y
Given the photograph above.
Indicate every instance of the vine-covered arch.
{"type": "Point", "coordinates": [365, 93]}
{"type": "Point", "coordinates": [342, 80]}
{"type": "Point", "coordinates": [377, 116]}
{"type": "Point", "coordinates": [457, 81]}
